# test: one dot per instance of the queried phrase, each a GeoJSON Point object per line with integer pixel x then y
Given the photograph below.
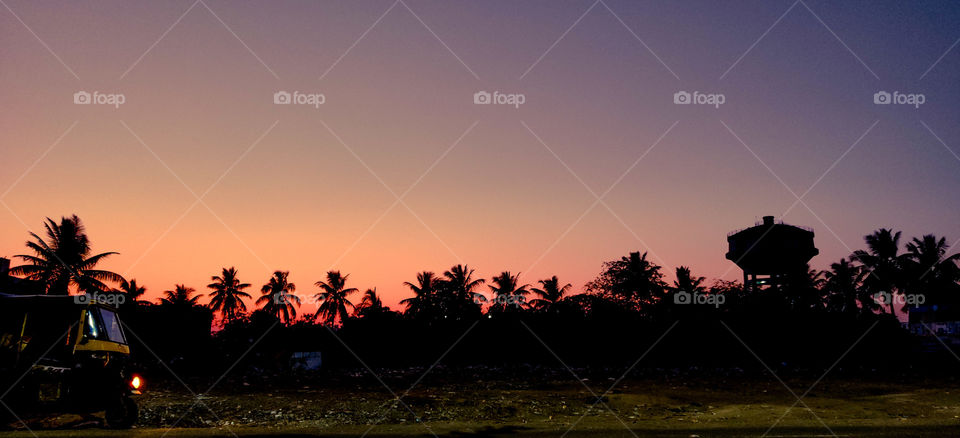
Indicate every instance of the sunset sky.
{"type": "Point", "coordinates": [308, 189]}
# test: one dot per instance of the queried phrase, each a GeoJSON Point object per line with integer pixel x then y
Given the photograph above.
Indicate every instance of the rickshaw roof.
{"type": "Point", "coordinates": [45, 301]}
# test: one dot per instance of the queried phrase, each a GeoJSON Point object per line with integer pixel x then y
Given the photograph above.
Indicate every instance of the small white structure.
{"type": "Point", "coordinates": [306, 360]}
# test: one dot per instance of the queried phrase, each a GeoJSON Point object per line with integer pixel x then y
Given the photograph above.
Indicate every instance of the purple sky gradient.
{"type": "Point", "coordinates": [318, 189]}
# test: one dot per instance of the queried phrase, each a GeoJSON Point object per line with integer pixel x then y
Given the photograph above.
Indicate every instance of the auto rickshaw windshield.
{"type": "Point", "coordinates": [103, 324]}
{"type": "Point", "coordinates": [112, 324]}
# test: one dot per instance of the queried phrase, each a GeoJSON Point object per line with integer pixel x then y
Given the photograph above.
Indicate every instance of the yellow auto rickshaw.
{"type": "Point", "coordinates": [68, 354]}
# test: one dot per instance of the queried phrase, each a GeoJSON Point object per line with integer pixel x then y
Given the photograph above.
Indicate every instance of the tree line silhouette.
{"type": "Point", "coordinates": [63, 261]}
{"type": "Point", "coordinates": [631, 290]}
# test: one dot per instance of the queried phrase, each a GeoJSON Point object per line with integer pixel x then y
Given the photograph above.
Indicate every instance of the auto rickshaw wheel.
{"type": "Point", "coordinates": [122, 414]}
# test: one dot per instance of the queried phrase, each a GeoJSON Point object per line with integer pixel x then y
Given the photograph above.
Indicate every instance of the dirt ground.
{"type": "Point", "coordinates": [547, 405]}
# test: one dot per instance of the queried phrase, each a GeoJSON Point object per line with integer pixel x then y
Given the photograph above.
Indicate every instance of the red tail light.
{"type": "Point", "coordinates": [136, 382]}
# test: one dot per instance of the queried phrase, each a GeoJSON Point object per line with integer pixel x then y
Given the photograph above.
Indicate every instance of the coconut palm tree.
{"type": "Point", "coordinates": [131, 292]}
{"type": "Point", "coordinates": [928, 271]}
{"type": "Point", "coordinates": [423, 304]}
{"type": "Point", "coordinates": [805, 292]}
{"type": "Point", "coordinates": [227, 296]}
{"type": "Point", "coordinates": [843, 284]}
{"type": "Point", "coordinates": [180, 296]}
{"type": "Point", "coordinates": [883, 263]}
{"type": "Point", "coordinates": [687, 282]}
{"type": "Point", "coordinates": [64, 260]}
{"type": "Point", "coordinates": [459, 297]}
{"type": "Point", "coordinates": [333, 298]}
{"type": "Point", "coordinates": [132, 289]}
{"type": "Point", "coordinates": [369, 305]}
{"type": "Point", "coordinates": [278, 297]}
{"type": "Point", "coordinates": [927, 252]}
{"type": "Point", "coordinates": [550, 294]}
{"type": "Point", "coordinates": [508, 293]}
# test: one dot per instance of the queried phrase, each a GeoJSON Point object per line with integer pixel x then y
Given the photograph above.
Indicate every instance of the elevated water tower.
{"type": "Point", "coordinates": [771, 253]}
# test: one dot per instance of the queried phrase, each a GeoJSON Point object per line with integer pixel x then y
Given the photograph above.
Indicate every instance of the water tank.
{"type": "Point", "coordinates": [771, 249]}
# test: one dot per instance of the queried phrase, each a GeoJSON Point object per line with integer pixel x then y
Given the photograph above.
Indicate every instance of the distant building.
{"type": "Point", "coordinates": [14, 285]}
{"type": "Point", "coordinates": [939, 320]}
{"type": "Point", "coordinates": [771, 253]}
{"type": "Point", "coordinates": [936, 325]}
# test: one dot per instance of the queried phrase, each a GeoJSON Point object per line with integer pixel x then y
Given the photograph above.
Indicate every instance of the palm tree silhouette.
{"type": "Point", "coordinates": [687, 282]}
{"type": "Point", "coordinates": [133, 292]}
{"type": "Point", "coordinates": [844, 287]}
{"type": "Point", "coordinates": [550, 294]}
{"type": "Point", "coordinates": [928, 271]}
{"type": "Point", "coordinates": [180, 296]}
{"type": "Point", "coordinates": [459, 296]}
{"type": "Point", "coordinates": [64, 260]}
{"type": "Point", "coordinates": [423, 304]}
{"type": "Point", "coordinates": [508, 294]}
{"type": "Point", "coordinates": [333, 298]}
{"type": "Point", "coordinates": [278, 297]}
{"type": "Point", "coordinates": [806, 292]}
{"type": "Point", "coordinates": [227, 296]}
{"type": "Point", "coordinates": [883, 263]}
{"type": "Point", "coordinates": [928, 252]}
{"type": "Point", "coordinates": [369, 305]}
